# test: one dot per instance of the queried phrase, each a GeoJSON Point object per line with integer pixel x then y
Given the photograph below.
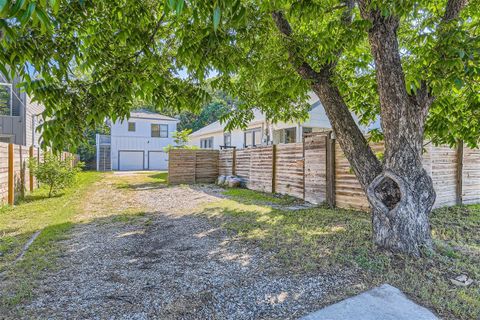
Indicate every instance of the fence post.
{"type": "Point", "coordinates": [22, 172]}
{"type": "Point", "coordinates": [303, 167]}
{"type": "Point", "coordinates": [195, 167]}
{"type": "Point", "coordinates": [30, 180]}
{"type": "Point", "coordinates": [11, 186]}
{"type": "Point", "coordinates": [274, 167]}
{"type": "Point", "coordinates": [234, 162]}
{"type": "Point", "coordinates": [330, 170]}
{"type": "Point", "coordinates": [459, 189]}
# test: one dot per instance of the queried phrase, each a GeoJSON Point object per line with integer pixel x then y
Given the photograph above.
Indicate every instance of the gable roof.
{"type": "Point", "coordinates": [147, 114]}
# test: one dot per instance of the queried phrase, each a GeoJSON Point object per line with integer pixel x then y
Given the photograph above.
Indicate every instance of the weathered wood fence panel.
{"type": "Point", "coordinates": [289, 169]}
{"type": "Point", "coordinates": [206, 166]}
{"type": "Point", "coordinates": [242, 161]}
{"type": "Point", "coordinates": [225, 163]}
{"type": "Point", "coordinates": [316, 170]}
{"type": "Point", "coordinates": [261, 169]}
{"type": "Point", "coordinates": [471, 176]}
{"type": "Point", "coordinates": [444, 174]}
{"type": "Point", "coordinates": [315, 175]}
{"type": "Point", "coordinates": [15, 176]}
{"type": "Point", "coordinates": [192, 166]}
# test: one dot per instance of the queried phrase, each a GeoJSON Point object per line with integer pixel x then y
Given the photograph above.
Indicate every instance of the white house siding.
{"type": "Point", "coordinates": [32, 121]}
{"type": "Point", "coordinates": [140, 140]}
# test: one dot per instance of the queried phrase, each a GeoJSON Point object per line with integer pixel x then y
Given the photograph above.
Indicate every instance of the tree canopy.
{"type": "Point", "coordinates": [87, 60]}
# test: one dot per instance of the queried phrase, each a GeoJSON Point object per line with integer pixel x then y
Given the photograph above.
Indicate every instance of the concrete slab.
{"type": "Point", "coordinates": [381, 303]}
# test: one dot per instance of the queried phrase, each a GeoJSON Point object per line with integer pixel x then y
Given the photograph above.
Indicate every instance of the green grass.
{"type": "Point", "coordinates": [250, 196]}
{"type": "Point", "coordinates": [325, 240]}
{"type": "Point", "coordinates": [54, 216]}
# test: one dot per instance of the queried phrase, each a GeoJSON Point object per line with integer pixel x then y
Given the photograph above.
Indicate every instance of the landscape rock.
{"type": "Point", "coordinates": [462, 281]}
{"type": "Point", "coordinates": [221, 180]}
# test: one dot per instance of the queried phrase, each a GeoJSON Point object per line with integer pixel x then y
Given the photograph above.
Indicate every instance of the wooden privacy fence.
{"type": "Point", "coordinates": [15, 176]}
{"type": "Point", "coordinates": [192, 166]}
{"type": "Point", "coordinates": [316, 170]}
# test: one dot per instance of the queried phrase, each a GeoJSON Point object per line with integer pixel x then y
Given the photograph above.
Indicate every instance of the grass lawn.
{"type": "Point", "coordinates": [326, 240]}
{"type": "Point", "coordinates": [54, 216]}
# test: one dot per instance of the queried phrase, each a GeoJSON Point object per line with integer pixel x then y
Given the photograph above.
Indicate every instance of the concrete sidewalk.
{"type": "Point", "coordinates": [381, 303]}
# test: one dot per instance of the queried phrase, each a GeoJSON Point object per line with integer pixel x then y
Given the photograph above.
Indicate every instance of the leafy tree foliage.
{"type": "Point", "coordinates": [213, 111]}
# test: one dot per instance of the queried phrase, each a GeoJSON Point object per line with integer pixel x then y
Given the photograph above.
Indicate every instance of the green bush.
{"type": "Point", "coordinates": [55, 173]}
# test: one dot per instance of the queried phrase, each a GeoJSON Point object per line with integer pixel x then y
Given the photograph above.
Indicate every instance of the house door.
{"type": "Point", "coordinates": [130, 160]}
{"type": "Point", "coordinates": [157, 160]}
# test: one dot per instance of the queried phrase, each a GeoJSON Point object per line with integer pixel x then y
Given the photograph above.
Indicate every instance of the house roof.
{"type": "Point", "coordinates": [147, 114]}
{"type": "Point", "coordinates": [217, 126]}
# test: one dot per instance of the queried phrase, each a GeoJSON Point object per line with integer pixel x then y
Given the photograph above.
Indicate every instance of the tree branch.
{"type": "Point", "coordinates": [302, 67]}
{"type": "Point", "coordinates": [453, 9]}
{"type": "Point", "coordinates": [351, 139]}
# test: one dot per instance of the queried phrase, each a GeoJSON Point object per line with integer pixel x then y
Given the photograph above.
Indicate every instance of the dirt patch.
{"type": "Point", "coordinates": [160, 260]}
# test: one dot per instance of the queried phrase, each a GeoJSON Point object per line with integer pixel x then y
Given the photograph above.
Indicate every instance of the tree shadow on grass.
{"type": "Point", "coordinates": [124, 260]}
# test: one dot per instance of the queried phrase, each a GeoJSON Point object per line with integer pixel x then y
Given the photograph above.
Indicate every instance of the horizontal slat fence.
{"type": "Point", "coordinates": [316, 170]}
{"type": "Point", "coordinates": [15, 176]}
{"type": "Point", "coordinates": [186, 166]}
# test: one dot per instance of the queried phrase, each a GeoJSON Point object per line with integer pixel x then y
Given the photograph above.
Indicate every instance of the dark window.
{"type": "Point", "coordinates": [164, 131]}
{"type": "Point", "coordinates": [227, 139]}
{"type": "Point", "coordinates": [131, 126]}
{"type": "Point", "coordinates": [155, 130]}
{"type": "Point", "coordinates": [290, 135]}
{"type": "Point", "coordinates": [252, 138]}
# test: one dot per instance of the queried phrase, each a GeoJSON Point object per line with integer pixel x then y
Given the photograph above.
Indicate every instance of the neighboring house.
{"type": "Point", "coordinates": [260, 132]}
{"type": "Point", "coordinates": [136, 143]}
{"type": "Point", "coordinates": [19, 116]}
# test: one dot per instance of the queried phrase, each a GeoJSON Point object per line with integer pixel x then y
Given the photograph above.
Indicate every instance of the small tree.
{"type": "Point", "coordinates": [181, 139]}
{"type": "Point", "coordinates": [57, 174]}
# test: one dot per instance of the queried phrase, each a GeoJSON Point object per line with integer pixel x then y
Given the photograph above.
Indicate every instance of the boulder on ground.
{"type": "Point", "coordinates": [234, 182]}
{"type": "Point", "coordinates": [221, 180]}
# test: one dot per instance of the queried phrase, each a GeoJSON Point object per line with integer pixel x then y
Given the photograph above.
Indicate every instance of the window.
{"type": "Point", "coordinates": [159, 130]}
{"type": "Point", "coordinates": [252, 138]}
{"type": "Point", "coordinates": [155, 130]}
{"type": "Point", "coordinates": [227, 139]}
{"type": "Point", "coordinates": [131, 126]}
{"type": "Point", "coordinates": [206, 143]}
{"type": "Point", "coordinates": [164, 131]}
{"type": "Point", "coordinates": [306, 131]}
{"type": "Point", "coordinates": [290, 135]}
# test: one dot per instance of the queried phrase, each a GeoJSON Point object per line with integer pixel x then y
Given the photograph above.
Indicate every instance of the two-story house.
{"type": "Point", "coordinates": [19, 115]}
{"type": "Point", "coordinates": [137, 143]}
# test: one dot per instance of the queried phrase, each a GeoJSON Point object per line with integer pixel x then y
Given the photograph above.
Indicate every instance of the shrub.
{"type": "Point", "coordinates": [55, 173]}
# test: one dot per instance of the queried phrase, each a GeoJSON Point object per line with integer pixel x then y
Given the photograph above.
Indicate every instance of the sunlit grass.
{"type": "Point", "coordinates": [326, 240]}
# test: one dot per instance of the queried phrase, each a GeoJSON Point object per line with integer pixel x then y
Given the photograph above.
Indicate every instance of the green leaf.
{"type": "Point", "coordinates": [41, 15]}
{"type": "Point", "coordinates": [458, 83]}
{"type": "Point", "coordinates": [16, 7]}
{"type": "Point", "coordinates": [180, 5]}
{"type": "Point", "coordinates": [28, 13]}
{"type": "Point", "coordinates": [216, 17]}
{"type": "Point", "coordinates": [3, 5]}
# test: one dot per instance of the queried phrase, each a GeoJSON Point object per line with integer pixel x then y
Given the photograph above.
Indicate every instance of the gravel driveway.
{"type": "Point", "coordinates": [166, 263]}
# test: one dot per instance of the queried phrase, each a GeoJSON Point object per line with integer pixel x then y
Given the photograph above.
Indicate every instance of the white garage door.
{"type": "Point", "coordinates": [157, 160]}
{"type": "Point", "coordinates": [130, 160]}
